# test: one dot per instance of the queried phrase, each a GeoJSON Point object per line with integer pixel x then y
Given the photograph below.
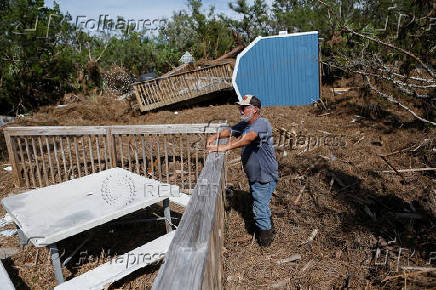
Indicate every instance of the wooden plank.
{"type": "Point", "coordinates": [91, 153]}
{"type": "Point", "coordinates": [97, 146]}
{"type": "Point", "coordinates": [50, 163]}
{"type": "Point", "coordinates": [44, 167]}
{"type": "Point", "coordinates": [138, 95]}
{"type": "Point", "coordinates": [85, 161]}
{"type": "Point", "coordinates": [199, 234]}
{"type": "Point", "coordinates": [70, 155]}
{"type": "Point", "coordinates": [173, 141]}
{"type": "Point", "coordinates": [203, 128]}
{"type": "Point", "coordinates": [181, 160]}
{"type": "Point", "coordinates": [64, 159]}
{"type": "Point", "coordinates": [120, 141]}
{"type": "Point", "coordinates": [35, 154]}
{"type": "Point", "coordinates": [196, 161]}
{"type": "Point", "coordinates": [129, 150]}
{"type": "Point", "coordinates": [188, 145]}
{"type": "Point", "coordinates": [158, 157]}
{"type": "Point", "coordinates": [12, 151]}
{"type": "Point", "coordinates": [144, 157]}
{"type": "Point", "coordinates": [76, 150]}
{"type": "Point", "coordinates": [136, 154]}
{"type": "Point", "coordinates": [151, 156]}
{"type": "Point", "coordinates": [166, 159]}
{"type": "Point", "coordinates": [55, 149]}
{"type": "Point", "coordinates": [23, 163]}
{"type": "Point", "coordinates": [106, 154]}
{"type": "Point", "coordinates": [55, 130]}
{"type": "Point", "coordinates": [111, 146]}
{"type": "Point", "coordinates": [32, 175]}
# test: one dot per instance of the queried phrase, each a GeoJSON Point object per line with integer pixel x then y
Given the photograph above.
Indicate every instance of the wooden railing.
{"type": "Point", "coordinates": [194, 259]}
{"type": "Point", "coordinates": [165, 91]}
{"type": "Point", "coordinates": [41, 156]}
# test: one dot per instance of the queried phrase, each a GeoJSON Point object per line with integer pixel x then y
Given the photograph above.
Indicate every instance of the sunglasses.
{"type": "Point", "coordinates": [242, 108]}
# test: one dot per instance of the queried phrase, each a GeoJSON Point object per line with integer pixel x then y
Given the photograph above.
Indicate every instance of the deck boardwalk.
{"type": "Point", "coordinates": [183, 86]}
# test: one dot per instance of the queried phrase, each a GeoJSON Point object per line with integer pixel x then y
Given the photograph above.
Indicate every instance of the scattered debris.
{"type": "Point", "coordinates": [357, 118]}
{"type": "Point", "coordinates": [8, 168]}
{"type": "Point", "coordinates": [358, 141]}
{"type": "Point", "coordinates": [292, 258]}
{"type": "Point", "coordinates": [8, 252]}
{"type": "Point", "coordinates": [307, 266]}
{"type": "Point", "coordinates": [8, 233]}
{"type": "Point", "coordinates": [407, 170]}
{"type": "Point", "coordinates": [61, 106]}
{"type": "Point", "coordinates": [280, 284]}
{"type": "Point", "coordinates": [311, 237]}
{"type": "Point", "coordinates": [6, 220]}
{"type": "Point", "coordinates": [297, 199]}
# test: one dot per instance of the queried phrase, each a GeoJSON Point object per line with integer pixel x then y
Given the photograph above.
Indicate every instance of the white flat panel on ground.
{"type": "Point", "coordinates": [121, 266]}
{"type": "Point", "coordinates": [181, 200]}
{"type": "Point", "coordinates": [5, 281]}
{"type": "Point", "coordinates": [51, 214]}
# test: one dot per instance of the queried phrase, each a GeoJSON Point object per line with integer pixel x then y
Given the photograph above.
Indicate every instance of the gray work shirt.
{"type": "Point", "coordinates": [258, 157]}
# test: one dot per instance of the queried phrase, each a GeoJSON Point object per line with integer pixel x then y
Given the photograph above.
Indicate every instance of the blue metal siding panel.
{"type": "Point", "coordinates": [281, 71]}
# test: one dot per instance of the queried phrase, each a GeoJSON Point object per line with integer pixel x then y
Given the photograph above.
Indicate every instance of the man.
{"type": "Point", "coordinates": [254, 134]}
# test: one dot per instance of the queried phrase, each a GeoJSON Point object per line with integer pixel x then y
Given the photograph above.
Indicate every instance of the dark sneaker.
{"type": "Point", "coordinates": [266, 237]}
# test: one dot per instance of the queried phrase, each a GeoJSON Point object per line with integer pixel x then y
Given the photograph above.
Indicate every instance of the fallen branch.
{"type": "Point", "coordinates": [392, 100]}
{"type": "Point", "coordinates": [408, 170]}
{"type": "Point", "coordinates": [311, 237]}
{"type": "Point", "coordinates": [290, 259]}
{"type": "Point", "coordinates": [299, 195]}
{"type": "Point", "coordinates": [391, 166]}
{"type": "Point", "coordinates": [409, 274]}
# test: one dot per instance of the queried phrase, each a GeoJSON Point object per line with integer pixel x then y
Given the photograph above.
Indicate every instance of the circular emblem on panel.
{"type": "Point", "coordinates": [118, 190]}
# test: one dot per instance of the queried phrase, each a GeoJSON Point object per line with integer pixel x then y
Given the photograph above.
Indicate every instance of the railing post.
{"type": "Point", "coordinates": [13, 157]}
{"type": "Point", "coordinates": [111, 147]}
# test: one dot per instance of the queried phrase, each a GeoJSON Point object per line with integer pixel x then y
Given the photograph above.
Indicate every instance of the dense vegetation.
{"type": "Point", "coordinates": [38, 66]}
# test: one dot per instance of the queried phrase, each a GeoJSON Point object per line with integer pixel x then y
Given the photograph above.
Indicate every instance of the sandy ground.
{"type": "Point", "coordinates": [332, 187]}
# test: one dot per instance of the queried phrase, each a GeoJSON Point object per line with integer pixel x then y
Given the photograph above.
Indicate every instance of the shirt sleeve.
{"type": "Point", "coordinates": [238, 129]}
{"type": "Point", "coordinates": [260, 126]}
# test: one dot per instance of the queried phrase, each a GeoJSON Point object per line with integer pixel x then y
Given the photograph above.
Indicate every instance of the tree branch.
{"type": "Point", "coordinates": [392, 100]}
{"type": "Point", "coordinates": [427, 68]}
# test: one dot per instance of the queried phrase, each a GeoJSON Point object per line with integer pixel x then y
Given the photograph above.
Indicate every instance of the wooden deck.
{"type": "Point", "coordinates": [184, 86]}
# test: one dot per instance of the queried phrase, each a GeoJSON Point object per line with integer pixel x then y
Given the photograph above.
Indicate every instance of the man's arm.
{"type": "Point", "coordinates": [236, 143]}
{"type": "Point", "coordinates": [223, 134]}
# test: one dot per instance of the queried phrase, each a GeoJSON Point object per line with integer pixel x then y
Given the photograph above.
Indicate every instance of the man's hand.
{"type": "Point", "coordinates": [210, 140]}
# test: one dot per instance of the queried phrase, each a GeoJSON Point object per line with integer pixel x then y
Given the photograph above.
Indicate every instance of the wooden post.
{"type": "Point", "coordinates": [55, 149]}
{"type": "Point", "coordinates": [23, 163]}
{"type": "Point", "coordinates": [110, 140]}
{"type": "Point", "coordinates": [13, 158]}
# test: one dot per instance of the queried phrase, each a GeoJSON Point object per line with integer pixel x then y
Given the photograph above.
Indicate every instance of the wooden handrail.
{"type": "Point", "coordinates": [194, 259]}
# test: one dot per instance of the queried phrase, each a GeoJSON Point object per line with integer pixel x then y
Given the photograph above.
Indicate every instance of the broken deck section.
{"type": "Point", "coordinates": [184, 86]}
{"type": "Point", "coordinates": [122, 266]}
